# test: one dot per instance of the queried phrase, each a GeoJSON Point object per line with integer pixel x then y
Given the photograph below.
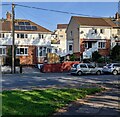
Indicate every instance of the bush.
{"type": "Point", "coordinates": [95, 56]}
{"type": "Point", "coordinates": [115, 53]}
{"type": "Point", "coordinates": [72, 57]}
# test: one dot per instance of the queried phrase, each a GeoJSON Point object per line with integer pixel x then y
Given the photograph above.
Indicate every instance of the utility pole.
{"type": "Point", "coordinates": [13, 39]}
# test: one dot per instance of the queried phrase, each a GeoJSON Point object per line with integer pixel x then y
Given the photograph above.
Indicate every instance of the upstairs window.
{"type": "Point", "coordinates": [2, 35]}
{"type": "Point", "coordinates": [61, 35]}
{"type": "Point", "coordinates": [71, 33]}
{"type": "Point", "coordinates": [95, 31]}
{"type": "Point", "coordinates": [70, 47]}
{"type": "Point", "coordinates": [41, 36]}
{"type": "Point", "coordinates": [21, 35]}
{"type": "Point", "coordinates": [102, 31]}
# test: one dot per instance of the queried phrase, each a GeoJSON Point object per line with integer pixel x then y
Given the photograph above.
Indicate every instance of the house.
{"type": "Point", "coordinates": [32, 41]}
{"type": "Point", "coordinates": [59, 39]}
{"type": "Point", "coordinates": [88, 34]}
{"type": "Point", "coordinates": [115, 39]}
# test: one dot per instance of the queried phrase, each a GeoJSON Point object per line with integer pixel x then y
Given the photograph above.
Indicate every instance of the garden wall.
{"type": "Point", "coordinates": [58, 67]}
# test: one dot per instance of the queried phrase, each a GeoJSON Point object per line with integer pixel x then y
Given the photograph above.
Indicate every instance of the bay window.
{"type": "Point", "coordinates": [22, 51]}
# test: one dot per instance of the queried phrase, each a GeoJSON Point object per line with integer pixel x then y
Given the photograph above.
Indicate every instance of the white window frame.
{"type": "Point", "coordinates": [41, 36]}
{"type": "Point", "coordinates": [20, 54]}
{"type": "Point", "coordinates": [69, 47]}
{"type": "Point", "coordinates": [101, 45]}
{"type": "Point", "coordinates": [3, 50]}
{"type": "Point", "coordinates": [19, 35]}
{"type": "Point", "coordinates": [2, 35]}
{"type": "Point", "coordinates": [102, 31]}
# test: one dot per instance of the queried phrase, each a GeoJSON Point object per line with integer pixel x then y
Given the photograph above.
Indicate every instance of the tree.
{"type": "Point", "coordinates": [95, 56]}
{"type": "Point", "coordinates": [115, 53]}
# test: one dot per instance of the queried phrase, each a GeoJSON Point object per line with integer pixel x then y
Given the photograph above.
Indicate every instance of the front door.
{"type": "Point", "coordinates": [89, 45]}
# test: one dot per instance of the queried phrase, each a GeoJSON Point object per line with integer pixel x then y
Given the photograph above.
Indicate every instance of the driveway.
{"type": "Point", "coordinates": [44, 80]}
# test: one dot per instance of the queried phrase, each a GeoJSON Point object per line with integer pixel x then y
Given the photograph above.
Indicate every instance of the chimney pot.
{"type": "Point", "coordinates": [8, 16]}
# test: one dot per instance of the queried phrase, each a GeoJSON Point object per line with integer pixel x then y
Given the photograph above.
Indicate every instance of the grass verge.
{"type": "Point", "coordinates": [41, 103]}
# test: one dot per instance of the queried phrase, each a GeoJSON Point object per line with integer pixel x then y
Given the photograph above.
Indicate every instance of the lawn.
{"type": "Point", "coordinates": [41, 102]}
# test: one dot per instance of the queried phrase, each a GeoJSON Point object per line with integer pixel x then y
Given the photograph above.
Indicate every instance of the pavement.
{"type": "Point", "coordinates": [105, 104]}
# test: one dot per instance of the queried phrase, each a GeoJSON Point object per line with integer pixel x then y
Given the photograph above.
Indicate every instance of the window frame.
{"type": "Point", "coordinates": [22, 54]}
{"type": "Point", "coordinates": [69, 47]}
{"type": "Point", "coordinates": [100, 45]}
{"type": "Point", "coordinates": [3, 50]}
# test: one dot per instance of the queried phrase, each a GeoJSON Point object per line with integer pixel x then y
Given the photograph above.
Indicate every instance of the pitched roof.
{"type": "Point", "coordinates": [7, 25]}
{"type": "Point", "coordinates": [62, 26]}
{"type": "Point", "coordinates": [90, 21]}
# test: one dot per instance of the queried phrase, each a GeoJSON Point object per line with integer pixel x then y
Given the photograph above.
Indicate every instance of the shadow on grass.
{"type": "Point", "coordinates": [40, 102]}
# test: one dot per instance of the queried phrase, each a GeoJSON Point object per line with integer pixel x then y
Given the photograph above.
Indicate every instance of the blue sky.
{"type": "Point", "coordinates": [51, 19]}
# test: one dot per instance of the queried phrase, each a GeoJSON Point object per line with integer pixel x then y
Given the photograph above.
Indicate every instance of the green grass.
{"type": "Point", "coordinates": [41, 102]}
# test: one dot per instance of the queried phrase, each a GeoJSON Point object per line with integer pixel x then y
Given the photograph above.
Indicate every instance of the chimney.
{"type": "Point", "coordinates": [8, 16]}
{"type": "Point", "coordinates": [117, 15]}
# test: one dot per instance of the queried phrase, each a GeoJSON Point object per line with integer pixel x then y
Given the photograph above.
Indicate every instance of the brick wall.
{"type": "Point", "coordinates": [31, 59]}
{"type": "Point", "coordinates": [58, 67]}
{"type": "Point", "coordinates": [106, 51]}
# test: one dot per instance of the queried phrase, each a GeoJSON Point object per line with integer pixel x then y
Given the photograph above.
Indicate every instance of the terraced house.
{"type": "Point", "coordinates": [32, 40]}
{"type": "Point", "coordinates": [88, 34]}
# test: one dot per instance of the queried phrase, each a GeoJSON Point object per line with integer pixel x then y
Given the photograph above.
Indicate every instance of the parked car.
{"type": "Point", "coordinates": [85, 68]}
{"type": "Point", "coordinates": [113, 68]}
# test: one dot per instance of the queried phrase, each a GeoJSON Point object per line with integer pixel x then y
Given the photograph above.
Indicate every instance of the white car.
{"type": "Point", "coordinates": [113, 68]}
{"type": "Point", "coordinates": [85, 68]}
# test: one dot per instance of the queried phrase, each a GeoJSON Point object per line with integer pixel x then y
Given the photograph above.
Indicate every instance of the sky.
{"type": "Point", "coordinates": [50, 19]}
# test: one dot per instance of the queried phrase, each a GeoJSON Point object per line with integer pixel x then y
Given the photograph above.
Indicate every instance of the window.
{"type": "Point", "coordinates": [21, 35]}
{"type": "Point", "coordinates": [90, 66]}
{"type": "Point", "coordinates": [56, 51]}
{"type": "Point", "coordinates": [95, 31]}
{"type": "Point", "coordinates": [61, 35]}
{"type": "Point", "coordinates": [2, 51]}
{"type": "Point", "coordinates": [41, 36]}
{"type": "Point", "coordinates": [71, 33]}
{"type": "Point", "coordinates": [102, 31]}
{"type": "Point", "coordinates": [83, 66]}
{"type": "Point", "coordinates": [22, 51]}
{"type": "Point", "coordinates": [2, 35]}
{"type": "Point", "coordinates": [86, 45]}
{"type": "Point", "coordinates": [70, 47]}
{"type": "Point", "coordinates": [48, 50]}
{"type": "Point", "coordinates": [101, 45]}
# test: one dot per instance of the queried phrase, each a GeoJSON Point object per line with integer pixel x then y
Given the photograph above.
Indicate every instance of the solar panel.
{"type": "Point", "coordinates": [16, 27]}
{"type": "Point", "coordinates": [34, 28]}
{"type": "Point", "coordinates": [22, 27]}
{"type": "Point", "coordinates": [28, 27]}
{"type": "Point", "coordinates": [21, 23]}
{"type": "Point", "coordinates": [27, 23]}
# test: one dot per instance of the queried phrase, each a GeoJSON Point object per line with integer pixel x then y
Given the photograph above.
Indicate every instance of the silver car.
{"type": "Point", "coordinates": [113, 68]}
{"type": "Point", "coordinates": [85, 68]}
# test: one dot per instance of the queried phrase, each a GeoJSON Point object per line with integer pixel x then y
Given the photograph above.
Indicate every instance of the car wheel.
{"type": "Point", "coordinates": [98, 72]}
{"type": "Point", "coordinates": [79, 73]}
{"type": "Point", "coordinates": [115, 72]}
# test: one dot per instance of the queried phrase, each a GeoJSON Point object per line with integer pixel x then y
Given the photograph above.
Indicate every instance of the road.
{"type": "Point", "coordinates": [44, 80]}
{"type": "Point", "coordinates": [105, 104]}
